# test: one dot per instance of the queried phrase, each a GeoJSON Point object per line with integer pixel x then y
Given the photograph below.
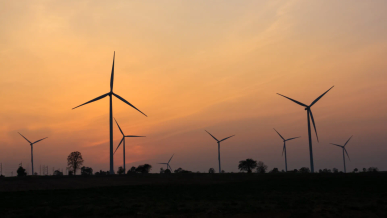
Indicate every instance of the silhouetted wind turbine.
{"type": "Point", "coordinates": [168, 166]}
{"type": "Point", "coordinates": [220, 169]}
{"type": "Point", "coordinates": [110, 94]}
{"type": "Point", "coordinates": [284, 149]}
{"type": "Point", "coordinates": [344, 150]}
{"type": "Point", "coordinates": [123, 140]}
{"type": "Point", "coordinates": [309, 115]}
{"type": "Point", "coordinates": [32, 150]}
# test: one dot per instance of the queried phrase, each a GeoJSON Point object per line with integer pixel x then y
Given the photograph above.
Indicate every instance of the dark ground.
{"type": "Point", "coordinates": [197, 195]}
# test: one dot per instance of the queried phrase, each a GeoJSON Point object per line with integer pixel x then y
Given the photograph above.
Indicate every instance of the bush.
{"type": "Point", "coordinates": [101, 173]}
{"type": "Point", "coordinates": [261, 167]}
{"type": "Point", "coordinates": [21, 172]}
{"type": "Point", "coordinates": [180, 170]}
{"type": "Point", "coordinates": [120, 171]}
{"type": "Point", "coordinates": [132, 170]}
{"type": "Point", "coordinates": [86, 171]}
{"type": "Point", "coordinates": [304, 170]}
{"type": "Point", "coordinates": [274, 170]}
{"type": "Point", "coordinates": [373, 170]}
{"type": "Point", "coordinates": [57, 173]}
{"type": "Point", "coordinates": [143, 168]}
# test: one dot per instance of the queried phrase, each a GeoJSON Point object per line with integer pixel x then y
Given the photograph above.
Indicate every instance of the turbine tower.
{"type": "Point", "coordinates": [123, 140]}
{"type": "Point", "coordinates": [309, 116]}
{"type": "Point", "coordinates": [110, 94]}
{"type": "Point", "coordinates": [220, 169]}
{"type": "Point", "coordinates": [284, 149]}
{"type": "Point", "coordinates": [344, 150]}
{"type": "Point", "coordinates": [32, 150]}
{"type": "Point", "coordinates": [168, 166]}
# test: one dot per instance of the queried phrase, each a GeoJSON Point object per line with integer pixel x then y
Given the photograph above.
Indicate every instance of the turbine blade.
{"type": "Point", "coordinates": [212, 136]}
{"type": "Point", "coordinates": [163, 163]}
{"type": "Point", "coordinates": [112, 76]}
{"type": "Point", "coordinates": [24, 137]}
{"type": "Point", "coordinates": [170, 159]}
{"type": "Point", "coordinates": [347, 153]}
{"type": "Point", "coordinates": [347, 141]}
{"type": "Point", "coordinates": [39, 140]}
{"type": "Point", "coordinates": [119, 127]}
{"type": "Point", "coordinates": [314, 125]}
{"type": "Point", "coordinates": [279, 134]}
{"type": "Point", "coordinates": [314, 102]}
{"type": "Point", "coordinates": [337, 145]}
{"type": "Point", "coordinates": [119, 144]}
{"type": "Point", "coordinates": [294, 100]}
{"type": "Point", "coordinates": [226, 138]}
{"type": "Point", "coordinates": [293, 138]}
{"type": "Point", "coordinates": [95, 99]}
{"type": "Point", "coordinates": [134, 136]}
{"type": "Point", "coordinates": [119, 97]}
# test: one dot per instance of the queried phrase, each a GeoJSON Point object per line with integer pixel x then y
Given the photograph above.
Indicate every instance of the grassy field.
{"type": "Point", "coordinates": [197, 195]}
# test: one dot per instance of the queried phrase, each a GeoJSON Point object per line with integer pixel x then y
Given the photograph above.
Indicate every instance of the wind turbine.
{"type": "Point", "coordinates": [220, 169]}
{"type": "Point", "coordinates": [32, 150]}
{"type": "Point", "coordinates": [309, 116]}
{"type": "Point", "coordinates": [168, 166]}
{"type": "Point", "coordinates": [110, 94]}
{"type": "Point", "coordinates": [344, 150]}
{"type": "Point", "coordinates": [123, 140]}
{"type": "Point", "coordinates": [284, 149]}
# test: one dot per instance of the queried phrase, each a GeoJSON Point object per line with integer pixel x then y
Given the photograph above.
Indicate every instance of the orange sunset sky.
{"type": "Point", "coordinates": [193, 66]}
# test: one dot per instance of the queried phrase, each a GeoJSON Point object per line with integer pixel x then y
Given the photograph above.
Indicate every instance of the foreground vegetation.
{"type": "Point", "coordinates": [197, 195]}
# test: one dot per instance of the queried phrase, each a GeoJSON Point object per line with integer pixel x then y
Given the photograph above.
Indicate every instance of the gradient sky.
{"type": "Point", "coordinates": [191, 66]}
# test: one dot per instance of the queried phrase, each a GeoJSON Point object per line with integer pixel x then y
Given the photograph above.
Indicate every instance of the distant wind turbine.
{"type": "Point", "coordinates": [309, 115]}
{"type": "Point", "coordinates": [220, 169]}
{"type": "Point", "coordinates": [168, 166]}
{"type": "Point", "coordinates": [110, 94]}
{"type": "Point", "coordinates": [32, 150]}
{"type": "Point", "coordinates": [123, 140]}
{"type": "Point", "coordinates": [284, 149]}
{"type": "Point", "coordinates": [344, 150]}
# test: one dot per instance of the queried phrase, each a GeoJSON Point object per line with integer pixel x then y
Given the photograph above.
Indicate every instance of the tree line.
{"type": "Point", "coordinates": [75, 162]}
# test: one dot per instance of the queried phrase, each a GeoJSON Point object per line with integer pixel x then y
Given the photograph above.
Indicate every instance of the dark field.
{"type": "Point", "coordinates": [197, 195]}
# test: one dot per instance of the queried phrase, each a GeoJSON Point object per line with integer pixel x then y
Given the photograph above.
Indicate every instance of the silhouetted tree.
{"type": "Point", "coordinates": [211, 170]}
{"type": "Point", "coordinates": [373, 170]}
{"type": "Point", "coordinates": [247, 165]}
{"type": "Point", "coordinates": [21, 171]}
{"type": "Point", "coordinates": [364, 170]}
{"type": "Point", "coordinates": [335, 170]}
{"type": "Point", "coordinates": [167, 171]}
{"type": "Point", "coordinates": [295, 171]}
{"type": "Point", "coordinates": [143, 168]}
{"type": "Point", "coordinates": [86, 171]}
{"type": "Point", "coordinates": [261, 167]}
{"type": "Point", "coordinates": [120, 171]}
{"type": "Point", "coordinates": [355, 170]}
{"type": "Point", "coordinates": [162, 170]}
{"type": "Point", "coordinates": [274, 170]}
{"type": "Point", "coordinates": [71, 173]}
{"type": "Point", "coordinates": [132, 170]}
{"type": "Point", "coordinates": [304, 170]}
{"type": "Point", "coordinates": [58, 173]}
{"type": "Point", "coordinates": [74, 161]}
